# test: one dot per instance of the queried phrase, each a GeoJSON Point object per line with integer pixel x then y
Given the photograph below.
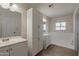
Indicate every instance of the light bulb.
{"type": "Point", "coordinates": [44, 20]}
{"type": "Point", "coordinates": [14, 8]}
{"type": "Point", "coordinates": [5, 5]}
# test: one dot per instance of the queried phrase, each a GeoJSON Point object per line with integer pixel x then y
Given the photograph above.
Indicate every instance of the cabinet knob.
{"type": "Point", "coordinates": [7, 50]}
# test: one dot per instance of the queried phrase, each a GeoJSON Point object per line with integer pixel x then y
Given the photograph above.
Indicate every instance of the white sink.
{"type": "Point", "coordinates": [4, 40]}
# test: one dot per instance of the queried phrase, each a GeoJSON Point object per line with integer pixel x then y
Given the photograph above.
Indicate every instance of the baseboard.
{"type": "Point", "coordinates": [50, 45]}
{"type": "Point", "coordinates": [60, 46]}
{"type": "Point", "coordinates": [39, 52]}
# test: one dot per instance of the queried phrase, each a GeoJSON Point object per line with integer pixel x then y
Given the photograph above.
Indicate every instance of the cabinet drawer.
{"type": "Point", "coordinates": [4, 51]}
{"type": "Point", "coordinates": [19, 44]}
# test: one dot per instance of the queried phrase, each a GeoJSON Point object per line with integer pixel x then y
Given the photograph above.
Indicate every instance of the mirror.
{"type": "Point", "coordinates": [10, 23]}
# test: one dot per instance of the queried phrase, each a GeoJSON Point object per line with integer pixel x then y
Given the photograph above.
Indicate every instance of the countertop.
{"type": "Point", "coordinates": [12, 40]}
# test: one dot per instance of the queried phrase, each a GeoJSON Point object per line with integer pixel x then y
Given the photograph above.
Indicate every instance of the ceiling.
{"type": "Point", "coordinates": [58, 9]}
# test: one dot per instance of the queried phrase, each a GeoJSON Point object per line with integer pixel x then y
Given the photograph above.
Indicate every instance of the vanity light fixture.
{"type": "Point", "coordinates": [5, 5]}
{"type": "Point", "coordinates": [44, 20]}
{"type": "Point", "coordinates": [11, 6]}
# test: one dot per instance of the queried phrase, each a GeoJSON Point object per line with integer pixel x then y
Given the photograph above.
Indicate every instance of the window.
{"type": "Point", "coordinates": [61, 26]}
{"type": "Point", "coordinates": [44, 25]}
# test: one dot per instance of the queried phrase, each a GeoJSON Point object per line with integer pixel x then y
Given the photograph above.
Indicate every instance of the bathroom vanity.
{"type": "Point", "coordinates": [15, 46]}
{"type": "Point", "coordinates": [11, 41]}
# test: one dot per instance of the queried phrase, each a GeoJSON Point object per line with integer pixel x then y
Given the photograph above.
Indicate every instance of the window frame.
{"type": "Point", "coordinates": [60, 26]}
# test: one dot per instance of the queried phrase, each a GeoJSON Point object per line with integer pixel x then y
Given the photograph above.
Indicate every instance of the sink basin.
{"type": "Point", "coordinates": [4, 40]}
{"type": "Point", "coordinates": [11, 40]}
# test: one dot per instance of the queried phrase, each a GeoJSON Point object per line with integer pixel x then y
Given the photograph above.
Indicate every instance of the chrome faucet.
{"type": "Point", "coordinates": [5, 39]}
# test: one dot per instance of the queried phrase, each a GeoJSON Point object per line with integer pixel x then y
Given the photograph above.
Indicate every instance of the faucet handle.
{"type": "Point", "coordinates": [5, 39]}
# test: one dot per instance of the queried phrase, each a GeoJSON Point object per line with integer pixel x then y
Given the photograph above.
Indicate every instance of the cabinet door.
{"type": "Point", "coordinates": [77, 33]}
{"type": "Point", "coordinates": [46, 41]}
{"type": "Point", "coordinates": [4, 51]}
{"type": "Point", "coordinates": [40, 31]}
{"type": "Point", "coordinates": [35, 33]}
{"type": "Point", "coordinates": [18, 50]}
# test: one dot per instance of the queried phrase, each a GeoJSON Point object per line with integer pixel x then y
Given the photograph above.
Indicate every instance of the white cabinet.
{"type": "Point", "coordinates": [40, 31]}
{"type": "Point", "coordinates": [19, 49]}
{"type": "Point", "coordinates": [46, 41]}
{"type": "Point", "coordinates": [34, 31]}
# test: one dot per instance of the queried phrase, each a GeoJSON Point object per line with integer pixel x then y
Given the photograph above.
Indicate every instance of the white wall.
{"type": "Point", "coordinates": [62, 38]}
{"type": "Point", "coordinates": [75, 27]}
{"type": "Point", "coordinates": [0, 27]}
{"type": "Point", "coordinates": [78, 31]}
{"type": "Point", "coordinates": [69, 23]}
{"type": "Point", "coordinates": [23, 10]}
{"type": "Point", "coordinates": [24, 24]}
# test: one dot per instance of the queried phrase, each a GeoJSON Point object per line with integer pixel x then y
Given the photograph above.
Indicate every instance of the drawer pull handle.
{"type": "Point", "coordinates": [7, 50]}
